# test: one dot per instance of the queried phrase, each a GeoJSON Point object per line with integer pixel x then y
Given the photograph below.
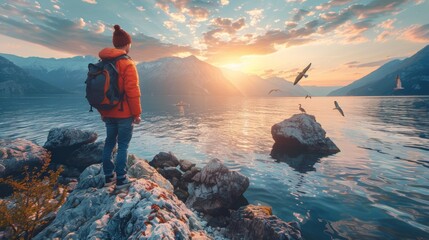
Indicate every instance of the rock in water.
{"type": "Point", "coordinates": [164, 159]}
{"type": "Point", "coordinates": [63, 141]}
{"type": "Point", "coordinates": [301, 134]}
{"type": "Point", "coordinates": [257, 223]}
{"type": "Point", "coordinates": [145, 211]}
{"type": "Point", "coordinates": [215, 189]}
{"type": "Point", "coordinates": [18, 153]}
{"type": "Point", "coordinates": [186, 165]}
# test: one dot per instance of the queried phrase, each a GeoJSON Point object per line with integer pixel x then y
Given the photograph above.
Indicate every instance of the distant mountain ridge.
{"type": "Point", "coordinates": [414, 72]}
{"type": "Point", "coordinates": [165, 76]}
{"type": "Point", "coordinates": [255, 86]}
{"type": "Point", "coordinates": [68, 74]}
{"type": "Point", "coordinates": [183, 76]}
{"type": "Point", "coordinates": [14, 81]}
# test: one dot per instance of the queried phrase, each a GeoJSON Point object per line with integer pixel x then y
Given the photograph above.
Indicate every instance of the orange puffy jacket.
{"type": "Point", "coordinates": [128, 73]}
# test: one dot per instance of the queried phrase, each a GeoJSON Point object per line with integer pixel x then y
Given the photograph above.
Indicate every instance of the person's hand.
{"type": "Point", "coordinates": [137, 120]}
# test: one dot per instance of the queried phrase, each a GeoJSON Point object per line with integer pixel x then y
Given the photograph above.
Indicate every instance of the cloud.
{"type": "Point", "coordinates": [290, 24]}
{"type": "Point", "coordinates": [68, 36]}
{"type": "Point", "coordinates": [224, 2]}
{"type": "Point", "coordinates": [340, 25]}
{"type": "Point", "coordinates": [368, 12]}
{"type": "Point", "coordinates": [221, 28]}
{"type": "Point", "coordinates": [376, 8]}
{"type": "Point", "coordinates": [99, 27]}
{"type": "Point", "coordinates": [81, 23]}
{"type": "Point", "coordinates": [353, 32]}
{"type": "Point", "coordinates": [416, 33]}
{"type": "Point", "coordinates": [378, 63]}
{"type": "Point", "coordinates": [388, 24]}
{"type": "Point", "coordinates": [219, 50]}
{"type": "Point", "coordinates": [295, 1]}
{"type": "Point", "coordinates": [256, 15]}
{"type": "Point", "coordinates": [382, 37]}
{"type": "Point", "coordinates": [332, 3]}
{"type": "Point", "coordinates": [268, 73]}
{"type": "Point", "coordinates": [90, 1]}
{"type": "Point", "coordinates": [171, 26]}
{"type": "Point", "coordinates": [192, 8]}
{"type": "Point", "coordinates": [140, 8]}
{"type": "Point", "coordinates": [300, 14]}
{"type": "Point", "coordinates": [178, 17]}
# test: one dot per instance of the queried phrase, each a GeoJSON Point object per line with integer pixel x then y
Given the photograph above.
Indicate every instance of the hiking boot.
{"type": "Point", "coordinates": [123, 182]}
{"type": "Point", "coordinates": [109, 180]}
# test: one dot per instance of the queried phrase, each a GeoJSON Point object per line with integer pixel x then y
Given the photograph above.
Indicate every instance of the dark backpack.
{"type": "Point", "coordinates": [102, 85]}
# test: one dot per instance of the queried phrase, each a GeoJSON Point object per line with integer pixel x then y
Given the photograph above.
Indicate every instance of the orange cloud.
{"type": "Point", "coordinates": [417, 33]}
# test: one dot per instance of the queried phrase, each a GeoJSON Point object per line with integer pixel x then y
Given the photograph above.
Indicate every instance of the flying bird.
{"type": "Point", "coordinates": [274, 90]}
{"type": "Point", "coordinates": [302, 74]}
{"type": "Point", "coordinates": [337, 107]}
{"type": "Point", "coordinates": [302, 109]}
{"type": "Point", "coordinates": [308, 96]}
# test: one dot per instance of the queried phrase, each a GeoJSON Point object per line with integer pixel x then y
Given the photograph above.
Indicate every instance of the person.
{"type": "Point", "coordinates": [119, 120]}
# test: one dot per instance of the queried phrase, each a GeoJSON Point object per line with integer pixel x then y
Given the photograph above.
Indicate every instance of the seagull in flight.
{"type": "Point", "coordinates": [274, 90]}
{"type": "Point", "coordinates": [302, 74]}
{"type": "Point", "coordinates": [337, 107]}
{"type": "Point", "coordinates": [302, 109]}
{"type": "Point", "coordinates": [308, 96]}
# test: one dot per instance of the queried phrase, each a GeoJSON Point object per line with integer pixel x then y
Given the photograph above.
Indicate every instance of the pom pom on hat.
{"type": "Point", "coordinates": [120, 37]}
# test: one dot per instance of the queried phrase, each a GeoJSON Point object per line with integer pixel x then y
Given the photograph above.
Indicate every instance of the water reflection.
{"type": "Point", "coordinates": [181, 110]}
{"type": "Point", "coordinates": [302, 163]}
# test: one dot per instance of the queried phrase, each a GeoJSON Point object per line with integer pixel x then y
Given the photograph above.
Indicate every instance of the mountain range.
{"type": "Point", "coordinates": [191, 76]}
{"type": "Point", "coordinates": [14, 81]}
{"type": "Point", "coordinates": [165, 76]}
{"type": "Point", "coordinates": [413, 72]}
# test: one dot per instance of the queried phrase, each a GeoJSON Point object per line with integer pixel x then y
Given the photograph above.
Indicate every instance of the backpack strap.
{"type": "Point", "coordinates": [123, 56]}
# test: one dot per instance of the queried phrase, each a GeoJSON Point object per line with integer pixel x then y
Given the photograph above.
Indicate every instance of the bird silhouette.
{"type": "Point", "coordinates": [337, 107]}
{"type": "Point", "coordinates": [302, 74]}
{"type": "Point", "coordinates": [274, 90]}
{"type": "Point", "coordinates": [308, 96]}
{"type": "Point", "coordinates": [302, 109]}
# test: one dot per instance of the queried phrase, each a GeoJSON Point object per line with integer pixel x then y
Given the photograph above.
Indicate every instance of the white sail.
{"type": "Point", "coordinates": [398, 83]}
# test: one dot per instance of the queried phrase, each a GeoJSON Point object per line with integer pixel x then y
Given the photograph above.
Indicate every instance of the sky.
{"type": "Point", "coordinates": [343, 39]}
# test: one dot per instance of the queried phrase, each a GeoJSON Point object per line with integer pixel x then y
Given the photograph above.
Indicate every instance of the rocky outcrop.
{"type": "Point", "coordinates": [215, 189]}
{"type": "Point", "coordinates": [74, 149]}
{"type": "Point", "coordinates": [257, 223]}
{"type": "Point", "coordinates": [62, 142]}
{"type": "Point", "coordinates": [145, 211]}
{"type": "Point", "coordinates": [186, 165]}
{"type": "Point", "coordinates": [85, 155]}
{"type": "Point", "coordinates": [301, 134]}
{"type": "Point", "coordinates": [178, 173]}
{"type": "Point", "coordinates": [140, 168]}
{"type": "Point", "coordinates": [18, 153]}
{"type": "Point", "coordinates": [163, 159]}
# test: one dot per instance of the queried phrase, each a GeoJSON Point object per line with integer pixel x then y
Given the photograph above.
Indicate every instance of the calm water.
{"type": "Point", "coordinates": [377, 187]}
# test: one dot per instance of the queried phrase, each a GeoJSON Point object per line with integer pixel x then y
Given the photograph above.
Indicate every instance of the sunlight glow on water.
{"type": "Point", "coordinates": [376, 187]}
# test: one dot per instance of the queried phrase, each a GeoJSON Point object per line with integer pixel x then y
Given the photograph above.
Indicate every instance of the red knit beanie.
{"type": "Point", "coordinates": [120, 37]}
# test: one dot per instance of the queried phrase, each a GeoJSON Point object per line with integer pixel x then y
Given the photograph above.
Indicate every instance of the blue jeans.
{"type": "Point", "coordinates": [119, 130]}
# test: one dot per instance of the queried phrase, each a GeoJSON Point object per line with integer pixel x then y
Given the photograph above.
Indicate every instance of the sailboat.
{"type": "Point", "coordinates": [398, 83]}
